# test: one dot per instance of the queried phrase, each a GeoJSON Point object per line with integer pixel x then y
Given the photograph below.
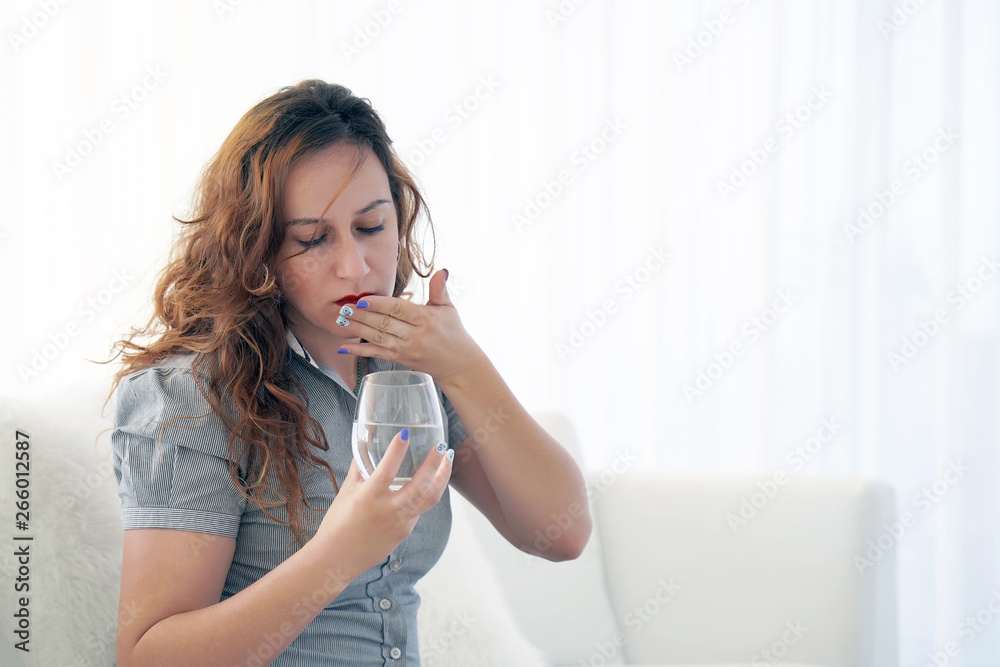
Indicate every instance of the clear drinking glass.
{"type": "Point", "coordinates": [388, 402]}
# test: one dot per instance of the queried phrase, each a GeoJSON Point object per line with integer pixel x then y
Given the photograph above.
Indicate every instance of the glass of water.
{"type": "Point", "coordinates": [388, 402]}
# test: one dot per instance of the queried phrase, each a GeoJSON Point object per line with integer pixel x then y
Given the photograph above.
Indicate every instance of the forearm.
{"type": "Point", "coordinates": [536, 481]}
{"type": "Point", "coordinates": [261, 620]}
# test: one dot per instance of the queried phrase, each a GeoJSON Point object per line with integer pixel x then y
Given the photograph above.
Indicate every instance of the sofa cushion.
{"type": "Point", "coordinates": [463, 617]}
{"type": "Point", "coordinates": [727, 568]}
{"type": "Point", "coordinates": [563, 608]}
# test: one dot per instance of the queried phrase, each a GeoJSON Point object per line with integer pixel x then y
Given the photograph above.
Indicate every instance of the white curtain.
{"type": "Point", "coordinates": [720, 236]}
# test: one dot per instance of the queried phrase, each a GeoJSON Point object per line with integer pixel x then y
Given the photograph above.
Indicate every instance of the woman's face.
{"type": "Point", "coordinates": [335, 253]}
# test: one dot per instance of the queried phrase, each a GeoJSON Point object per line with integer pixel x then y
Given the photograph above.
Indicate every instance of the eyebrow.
{"type": "Point", "coordinates": [313, 221]}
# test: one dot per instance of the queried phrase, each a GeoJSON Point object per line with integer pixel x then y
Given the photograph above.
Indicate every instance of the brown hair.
{"type": "Point", "coordinates": [218, 298]}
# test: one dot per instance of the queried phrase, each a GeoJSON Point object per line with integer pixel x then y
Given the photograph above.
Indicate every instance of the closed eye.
{"type": "Point", "coordinates": [313, 242]}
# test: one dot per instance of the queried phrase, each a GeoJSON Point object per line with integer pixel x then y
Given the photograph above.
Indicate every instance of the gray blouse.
{"type": "Point", "coordinates": [170, 460]}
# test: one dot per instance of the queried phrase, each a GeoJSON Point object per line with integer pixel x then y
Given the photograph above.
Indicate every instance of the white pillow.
{"type": "Point", "coordinates": [463, 618]}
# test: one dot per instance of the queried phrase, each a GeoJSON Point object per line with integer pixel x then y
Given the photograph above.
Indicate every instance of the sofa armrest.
{"type": "Point", "coordinates": [710, 568]}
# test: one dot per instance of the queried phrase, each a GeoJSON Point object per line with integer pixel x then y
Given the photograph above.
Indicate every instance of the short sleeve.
{"type": "Point", "coordinates": [456, 429]}
{"type": "Point", "coordinates": [171, 456]}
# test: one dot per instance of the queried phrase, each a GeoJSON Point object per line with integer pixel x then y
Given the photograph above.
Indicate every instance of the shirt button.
{"type": "Point", "coordinates": [385, 603]}
{"type": "Point", "coordinates": [395, 653]}
{"type": "Point", "coordinates": [394, 565]}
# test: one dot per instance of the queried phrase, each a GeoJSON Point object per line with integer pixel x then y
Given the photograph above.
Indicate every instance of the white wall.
{"type": "Point", "coordinates": [884, 80]}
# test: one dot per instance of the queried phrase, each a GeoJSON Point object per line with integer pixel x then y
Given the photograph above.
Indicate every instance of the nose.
{"type": "Point", "coordinates": [349, 261]}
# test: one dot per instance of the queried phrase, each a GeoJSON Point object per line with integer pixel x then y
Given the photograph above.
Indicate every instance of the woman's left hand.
{"type": "Point", "coordinates": [429, 338]}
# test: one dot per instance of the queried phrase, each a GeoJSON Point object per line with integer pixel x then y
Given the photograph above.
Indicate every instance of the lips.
{"type": "Point", "coordinates": [353, 298]}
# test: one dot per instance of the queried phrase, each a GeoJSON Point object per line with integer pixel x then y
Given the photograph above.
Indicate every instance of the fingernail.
{"type": "Point", "coordinates": [446, 275]}
{"type": "Point", "coordinates": [342, 351]}
{"type": "Point", "coordinates": [347, 311]}
{"type": "Point", "coordinates": [451, 454]}
{"type": "Point", "coordinates": [404, 434]}
{"type": "Point", "coordinates": [343, 321]}
{"type": "Point", "coordinates": [441, 447]}
{"type": "Point", "coordinates": [362, 304]}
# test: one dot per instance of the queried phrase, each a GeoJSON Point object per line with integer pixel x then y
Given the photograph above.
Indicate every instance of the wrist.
{"type": "Point", "coordinates": [470, 374]}
{"type": "Point", "coordinates": [327, 551]}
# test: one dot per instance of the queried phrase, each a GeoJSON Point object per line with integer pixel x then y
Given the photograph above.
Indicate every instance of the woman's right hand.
{"type": "Point", "coordinates": [372, 518]}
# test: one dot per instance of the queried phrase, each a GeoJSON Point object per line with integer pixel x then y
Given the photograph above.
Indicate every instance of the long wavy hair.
{"type": "Point", "coordinates": [219, 296]}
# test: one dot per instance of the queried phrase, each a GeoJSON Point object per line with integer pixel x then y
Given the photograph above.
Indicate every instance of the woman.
{"type": "Point", "coordinates": [251, 537]}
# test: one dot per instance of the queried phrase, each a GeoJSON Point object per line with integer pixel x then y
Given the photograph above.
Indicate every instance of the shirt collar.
{"type": "Point", "coordinates": [374, 363]}
{"type": "Point", "coordinates": [298, 348]}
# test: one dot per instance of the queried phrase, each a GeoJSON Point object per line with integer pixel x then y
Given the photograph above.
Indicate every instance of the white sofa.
{"type": "Point", "coordinates": [665, 580]}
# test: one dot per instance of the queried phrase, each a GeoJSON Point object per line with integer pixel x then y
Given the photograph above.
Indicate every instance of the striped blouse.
{"type": "Point", "coordinates": [170, 459]}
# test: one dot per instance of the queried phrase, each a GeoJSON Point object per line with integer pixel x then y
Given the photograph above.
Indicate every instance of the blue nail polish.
{"type": "Point", "coordinates": [404, 434]}
{"type": "Point", "coordinates": [441, 447]}
{"type": "Point", "coordinates": [343, 321]}
{"type": "Point", "coordinates": [451, 454]}
{"type": "Point", "coordinates": [347, 311]}
{"type": "Point", "coordinates": [342, 351]}
{"type": "Point", "coordinates": [446, 275]}
{"type": "Point", "coordinates": [362, 304]}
